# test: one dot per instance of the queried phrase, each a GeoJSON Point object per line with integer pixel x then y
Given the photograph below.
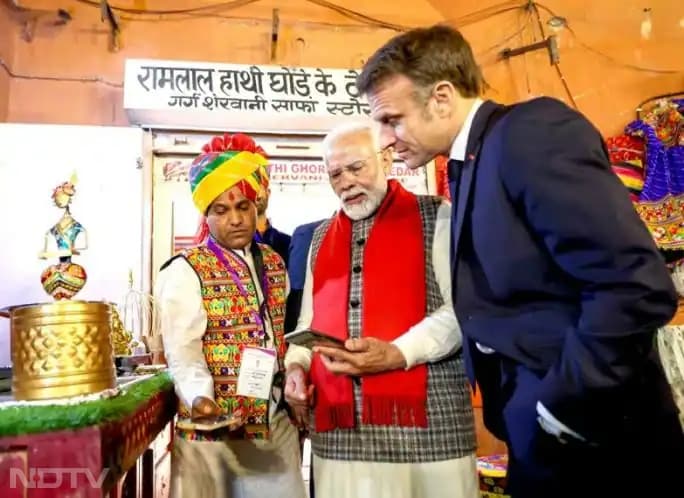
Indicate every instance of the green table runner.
{"type": "Point", "coordinates": [27, 419]}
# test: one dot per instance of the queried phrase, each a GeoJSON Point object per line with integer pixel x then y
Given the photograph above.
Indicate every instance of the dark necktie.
{"type": "Point", "coordinates": [454, 170]}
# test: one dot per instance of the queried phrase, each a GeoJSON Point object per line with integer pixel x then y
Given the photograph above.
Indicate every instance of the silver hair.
{"type": "Point", "coordinates": [350, 128]}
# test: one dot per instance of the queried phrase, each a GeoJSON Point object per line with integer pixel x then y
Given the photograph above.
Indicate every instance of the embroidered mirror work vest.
{"type": "Point", "coordinates": [231, 326]}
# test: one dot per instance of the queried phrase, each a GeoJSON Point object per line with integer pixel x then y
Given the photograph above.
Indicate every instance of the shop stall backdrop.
{"type": "Point", "coordinates": [34, 159]}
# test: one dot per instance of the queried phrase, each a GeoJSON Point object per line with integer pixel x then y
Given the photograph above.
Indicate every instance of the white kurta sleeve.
{"type": "Point", "coordinates": [178, 294]}
{"type": "Point", "coordinates": [299, 354]}
{"type": "Point", "coordinates": [438, 335]}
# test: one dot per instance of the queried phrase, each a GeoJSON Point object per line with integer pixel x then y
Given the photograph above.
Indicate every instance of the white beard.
{"type": "Point", "coordinates": [369, 205]}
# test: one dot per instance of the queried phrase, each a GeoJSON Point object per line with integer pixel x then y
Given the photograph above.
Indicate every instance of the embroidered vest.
{"type": "Point", "coordinates": [231, 326]}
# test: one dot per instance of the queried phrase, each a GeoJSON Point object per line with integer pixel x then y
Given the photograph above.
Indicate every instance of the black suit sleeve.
{"type": "Point", "coordinates": [557, 173]}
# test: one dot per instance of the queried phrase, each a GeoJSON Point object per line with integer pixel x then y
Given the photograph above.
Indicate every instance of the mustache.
{"type": "Point", "coordinates": [354, 192]}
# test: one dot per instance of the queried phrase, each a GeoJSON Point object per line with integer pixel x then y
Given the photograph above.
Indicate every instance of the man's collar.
{"type": "Point", "coordinates": [458, 148]}
{"type": "Point", "coordinates": [243, 252]}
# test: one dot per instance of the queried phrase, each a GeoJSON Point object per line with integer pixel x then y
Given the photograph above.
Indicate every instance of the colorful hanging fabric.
{"type": "Point", "coordinates": [661, 201]}
{"type": "Point", "coordinates": [627, 159]}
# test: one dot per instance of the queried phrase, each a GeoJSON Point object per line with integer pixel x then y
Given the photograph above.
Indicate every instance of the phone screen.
{"type": "Point", "coordinates": [310, 338]}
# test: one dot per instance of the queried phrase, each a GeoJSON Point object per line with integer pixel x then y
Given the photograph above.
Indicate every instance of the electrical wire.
{"type": "Point", "coordinates": [358, 16]}
{"type": "Point", "coordinates": [487, 13]}
{"type": "Point", "coordinates": [561, 76]}
{"type": "Point", "coordinates": [99, 80]}
{"type": "Point", "coordinates": [525, 58]}
{"type": "Point", "coordinates": [508, 38]}
{"type": "Point", "coordinates": [609, 58]}
{"type": "Point", "coordinates": [215, 10]}
{"type": "Point", "coordinates": [211, 11]}
{"type": "Point", "coordinates": [204, 8]}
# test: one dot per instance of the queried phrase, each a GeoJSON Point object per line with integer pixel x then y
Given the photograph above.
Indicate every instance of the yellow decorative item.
{"type": "Point", "coordinates": [69, 235]}
{"type": "Point", "coordinates": [64, 279]}
{"type": "Point", "coordinates": [61, 349]}
{"type": "Point", "coordinates": [122, 339]}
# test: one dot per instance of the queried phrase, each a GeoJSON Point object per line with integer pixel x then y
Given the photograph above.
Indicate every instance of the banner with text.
{"type": "Point", "coordinates": [255, 90]}
{"type": "Point", "coordinates": [301, 172]}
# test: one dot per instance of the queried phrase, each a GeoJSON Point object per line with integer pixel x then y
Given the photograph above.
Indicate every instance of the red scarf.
{"type": "Point", "coordinates": [393, 300]}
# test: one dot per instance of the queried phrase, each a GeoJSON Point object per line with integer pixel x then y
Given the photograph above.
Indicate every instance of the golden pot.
{"type": "Point", "coordinates": [61, 349]}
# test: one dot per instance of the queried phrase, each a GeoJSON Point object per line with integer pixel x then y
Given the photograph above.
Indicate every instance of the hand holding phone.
{"type": "Point", "coordinates": [207, 416]}
{"type": "Point", "coordinates": [309, 338]}
{"type": "Point", "coordinates": [210, 423]}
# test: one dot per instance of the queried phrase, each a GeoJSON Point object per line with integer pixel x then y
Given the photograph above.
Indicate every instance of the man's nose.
{"type": "Point", "coordinates": [346, 181]}
{"type": "Point", "coordinates": [234, 218]}
{"type": "Point", "coordinates": [387, 137]}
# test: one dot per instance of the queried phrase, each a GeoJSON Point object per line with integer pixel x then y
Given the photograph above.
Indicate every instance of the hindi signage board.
{"type": "Point", "coordinates": [302, 172]}
{"type": "Point", "coordinates": [241, 97]}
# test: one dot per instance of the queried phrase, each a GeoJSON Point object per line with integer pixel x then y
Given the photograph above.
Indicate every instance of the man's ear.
{"type": "Point", "coordinates": [444, 95]}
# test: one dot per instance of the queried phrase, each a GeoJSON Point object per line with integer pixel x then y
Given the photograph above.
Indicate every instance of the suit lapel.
{"type": "Point", "coordinates": [463, 187]}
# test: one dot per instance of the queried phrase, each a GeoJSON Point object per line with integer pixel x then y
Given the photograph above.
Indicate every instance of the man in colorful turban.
{"type": "Point", "coordinates": [266, 232]}
{"type": "Point", "coordinates": [222, 307]}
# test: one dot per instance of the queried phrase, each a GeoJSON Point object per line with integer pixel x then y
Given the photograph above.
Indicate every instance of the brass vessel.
{"type": "Point", "coordinates": [61, 349]}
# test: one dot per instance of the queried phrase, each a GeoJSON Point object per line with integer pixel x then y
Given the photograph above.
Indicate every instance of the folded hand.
{"type": "Point", "coordinates": [298, 394]}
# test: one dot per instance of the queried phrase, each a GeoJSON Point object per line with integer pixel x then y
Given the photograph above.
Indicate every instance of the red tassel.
{"type": "Point", "coordinates": [404, 412]}
{"type": "Point", "coordinates": [337, 417]}
{"type": "Point", "coordinates": [202, 233]}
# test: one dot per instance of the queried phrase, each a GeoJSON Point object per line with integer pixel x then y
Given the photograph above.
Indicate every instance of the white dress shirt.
{"type": "Point", "coordinates": [178, 295]}
{"type": "Point", "coordinates": [458, 147]}
{"type": "Point", "coordinates": [435, 337]}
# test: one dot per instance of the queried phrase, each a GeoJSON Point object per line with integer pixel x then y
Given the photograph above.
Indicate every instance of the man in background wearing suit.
{"type": "Point", "coordinates": [296, 269]}
{"type": "Point", "coordinates": [265, 232]}
{"type": "Point", "coordinates": [558, 285]}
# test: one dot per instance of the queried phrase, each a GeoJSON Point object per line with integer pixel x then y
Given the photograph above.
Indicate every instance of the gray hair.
{"type": "Point", "coordinates": [350, 128]}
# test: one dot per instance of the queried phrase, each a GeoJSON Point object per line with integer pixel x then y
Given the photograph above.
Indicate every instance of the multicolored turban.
{"type": "Point", "coordinates": [265, 176]}
{"type": "Point", "coordinates": [225, 162]}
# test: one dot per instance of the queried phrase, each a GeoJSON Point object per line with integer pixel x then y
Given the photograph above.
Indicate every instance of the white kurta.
{"type": "Point", "coordinates": [233, 469]}
{"type": "Point", "coordinates": [432, 339]}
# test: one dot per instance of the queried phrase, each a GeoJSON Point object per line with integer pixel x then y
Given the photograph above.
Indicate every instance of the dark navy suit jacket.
{"type": "Point", "coordinates": [554, 270]}
{"type": "Point", "coordinates": [279, 241]}
{"type": "Point", "coordinates": [296, 268]}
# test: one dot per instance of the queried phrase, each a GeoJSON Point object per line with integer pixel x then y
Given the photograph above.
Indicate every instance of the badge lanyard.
{"type": "Point", "coordinates": [257, 315]}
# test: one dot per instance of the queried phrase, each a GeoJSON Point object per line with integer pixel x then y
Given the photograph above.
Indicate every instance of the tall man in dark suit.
{"type": "Point", "coordinates": [557, 284]}
{"type": "Point", "coordinates": [296, 269]}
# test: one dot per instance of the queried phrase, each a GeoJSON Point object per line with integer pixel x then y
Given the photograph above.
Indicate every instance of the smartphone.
{"type": "Point", "coordinates": [209, 423]}
{"type": "Point", "coordinates": [309, 338]}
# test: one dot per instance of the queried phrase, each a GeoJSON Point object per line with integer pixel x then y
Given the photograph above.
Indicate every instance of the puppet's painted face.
{"type": "Point", "coordinates": [62, 195]}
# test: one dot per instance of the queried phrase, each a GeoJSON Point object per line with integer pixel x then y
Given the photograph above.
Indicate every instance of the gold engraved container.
{"type": "Point", "coordinates": [61, 349]}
